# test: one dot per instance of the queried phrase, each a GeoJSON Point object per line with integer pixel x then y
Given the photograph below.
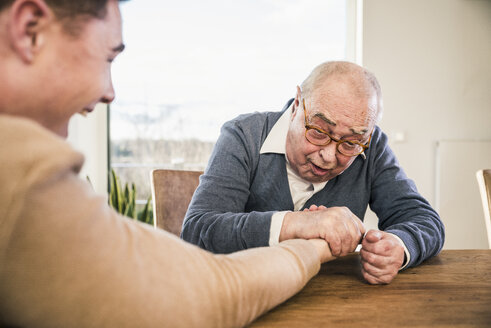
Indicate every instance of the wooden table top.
{"type": "Point", "coordinates": [451, 289]}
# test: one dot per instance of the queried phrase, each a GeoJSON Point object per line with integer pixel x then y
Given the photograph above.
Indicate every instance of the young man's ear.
{"type": "Point", "coordinates": [28, 22]}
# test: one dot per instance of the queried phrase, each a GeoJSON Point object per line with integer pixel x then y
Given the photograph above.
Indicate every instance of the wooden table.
{"type": "Point", "coordinates": [451, 289]}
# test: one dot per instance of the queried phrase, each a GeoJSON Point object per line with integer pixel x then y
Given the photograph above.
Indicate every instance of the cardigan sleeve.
{"type": "Point", "coordinates": [216, 219]}
{"type": "Point", "coordinates": [399, 206]}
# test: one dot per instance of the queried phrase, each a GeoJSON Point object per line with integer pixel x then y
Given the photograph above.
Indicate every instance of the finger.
{"type": "Point", "coordinates": [374, 280]}
{"type": "Point", "coordinates": [385, 246]}
{"type": "Point", "coordinates": [373, 236]}
{"type": "Point", "coordinates": [348, 231]}
{"type": "Point", "coordinates": [374, 259]}
{"type": "Point", "coordinates": [378, 276]}
{"type": "Point", "coordinates": [322, 207]}
{"type": "Point", "coordinates": [348, 244]}
{"type": "Point", "coordinates": [335, 245]}
{"type": "Point", "coordinates": [368, 245]}
{"type": "Point", "coordinates": [361, 226]}
{"type": "Point", "coordinates": [357, 229]}
{"type": "Point", "coordinates": [373, 270]}
{"type": "Point", "coordinates": [356, 234]}
{"type": "Point", "coordinates": [371, 279]}
{"type": "Point", "coordinates": [338, 228]}
{"type": "Point", "coordinates": [388, 264]}
{"type": "Point", "coordinates": [313, 207]}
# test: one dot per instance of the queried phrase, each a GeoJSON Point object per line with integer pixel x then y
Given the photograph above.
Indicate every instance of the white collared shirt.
{"type": "Point", "coordinates": [301, 190]}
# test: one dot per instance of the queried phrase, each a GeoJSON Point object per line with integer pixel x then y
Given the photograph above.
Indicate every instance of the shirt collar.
{"type": "Point", "coordinates": [276, 143]}
{"type": "Point", "coordinates": [293, 176]}
{"type": "Point", "coordinates": [276, 140]}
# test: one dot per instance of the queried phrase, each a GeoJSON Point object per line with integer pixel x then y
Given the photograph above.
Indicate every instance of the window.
{"type": "Point", "coordinates": [191, 65]}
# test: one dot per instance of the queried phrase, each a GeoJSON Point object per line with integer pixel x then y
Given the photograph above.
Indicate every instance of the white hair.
{"type": "Point", "coordinates": [363, 81]}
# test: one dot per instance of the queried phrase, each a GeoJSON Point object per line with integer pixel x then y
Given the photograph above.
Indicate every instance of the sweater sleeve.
{"type": "Point", "coordinates": [216, 219]}
{"type": "Point", "coordinates": [400, 208]}
{"type": "Point", "coordinates": [71, 261]}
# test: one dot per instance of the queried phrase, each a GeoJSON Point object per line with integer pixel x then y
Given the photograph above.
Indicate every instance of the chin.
{"type": "Point", "coordinates": [62, 131]}
{"type": "Point", "coordinates": [318, 179]}
{"type": "Point", "coordinates": [311, 177]}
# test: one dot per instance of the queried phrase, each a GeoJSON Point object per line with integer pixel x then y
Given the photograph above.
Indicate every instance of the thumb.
{"type": "Point", "coordinates": [372, 236]}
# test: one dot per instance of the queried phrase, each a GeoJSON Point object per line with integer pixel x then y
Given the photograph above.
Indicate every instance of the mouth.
{"type": "Point", "coordinates": [317, 170]}
{"type": "Point", "coordinates": [84, 112]}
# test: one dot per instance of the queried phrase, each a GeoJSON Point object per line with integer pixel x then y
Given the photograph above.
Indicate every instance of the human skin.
{"type": "Point", "coordinates": [77, 68]}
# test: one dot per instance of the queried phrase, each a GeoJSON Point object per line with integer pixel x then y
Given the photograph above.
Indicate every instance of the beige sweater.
{"type": "Point", "coordinates": [68, 260]}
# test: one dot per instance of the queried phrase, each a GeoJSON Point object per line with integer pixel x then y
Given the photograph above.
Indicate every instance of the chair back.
{"type": "Point", "coordinates": [172, 191]}
{"type": "Point", "coordinates": [484, 181]}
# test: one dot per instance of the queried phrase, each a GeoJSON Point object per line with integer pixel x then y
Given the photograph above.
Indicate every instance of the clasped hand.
{"type": "Point", "coordinates": [338, 226]}
{"type": "Point", "coordinates": [381, 254]}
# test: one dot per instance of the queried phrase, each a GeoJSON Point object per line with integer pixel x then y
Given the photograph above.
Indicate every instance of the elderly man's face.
{"type": "Point", "coordinates": [77, 69]}
{"type": "Point", "coordinates": [332, 108]}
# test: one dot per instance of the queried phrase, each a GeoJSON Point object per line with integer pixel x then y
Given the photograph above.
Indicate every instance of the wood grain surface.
{"type": "Point", "coordinates": [452, 289]}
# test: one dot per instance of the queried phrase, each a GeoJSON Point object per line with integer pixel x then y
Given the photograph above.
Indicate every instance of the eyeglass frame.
{"type": "Point", "coordinates": [337, 141]}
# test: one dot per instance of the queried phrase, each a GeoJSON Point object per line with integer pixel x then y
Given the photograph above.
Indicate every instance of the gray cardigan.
{"type": "Point", "coordinates": [241, 189]}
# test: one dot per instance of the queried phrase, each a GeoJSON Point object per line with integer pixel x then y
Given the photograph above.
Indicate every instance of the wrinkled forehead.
{"type": "Point", "coordinates": [342, 103]}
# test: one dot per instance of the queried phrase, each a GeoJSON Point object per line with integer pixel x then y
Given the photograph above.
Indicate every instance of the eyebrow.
{"type": "Point", "coordinates": [119, 48]}
{"type": "Point", "coordinates": [360, 132]}
{"type": "Point", "coordinates": [325, 119]}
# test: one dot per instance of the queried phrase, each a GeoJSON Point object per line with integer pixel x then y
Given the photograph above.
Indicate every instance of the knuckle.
{"type": "Point", "coordinates": [369, 257]}
{"type": "Point", "coordinates": [335, 245]}
{"type": "Point", "coordinates": [386, 279]}
{"type": "Point", "coordinates": [369, 278]}
{"type": "Point", "coordinates": [386, 246]}
{"type": "Point", "coordinates": [335, 249]}
{"type": "Point", "coordinates": [366, 266]}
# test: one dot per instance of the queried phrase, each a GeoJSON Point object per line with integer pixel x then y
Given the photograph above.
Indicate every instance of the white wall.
{"type": "Point", "coordinates": [433, 61]}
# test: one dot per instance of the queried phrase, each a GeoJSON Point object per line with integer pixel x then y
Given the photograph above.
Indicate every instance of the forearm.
{"type": "Point", "coordinates": [258, 279]}
{"type": "Point", "coordinates": [293, 224]}
{"type": "Point", "coordinates": [226, 232]}
{"type": "Point", "coordinates": [76, 263]}
{"type": "Point", "coordinates": [423, 238]}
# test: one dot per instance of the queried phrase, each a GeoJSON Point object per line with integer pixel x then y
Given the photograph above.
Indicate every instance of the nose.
{"type": "Point", "coordinates": [109, 94]}
{"type": "Point", "coordinates": [328, 154]}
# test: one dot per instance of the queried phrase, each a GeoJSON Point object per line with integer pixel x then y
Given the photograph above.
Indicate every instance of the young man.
{"type": "Point", "coordinates": [66, 258]}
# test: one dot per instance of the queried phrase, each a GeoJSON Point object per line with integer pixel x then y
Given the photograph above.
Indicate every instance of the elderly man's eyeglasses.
{"type": "Point", "coordinates": [319, 137]}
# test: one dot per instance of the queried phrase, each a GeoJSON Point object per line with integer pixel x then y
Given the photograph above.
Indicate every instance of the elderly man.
{"type": "Point", "coordinates": [66, 258]}
{"type": "Point", "coordinates": [322, 153]}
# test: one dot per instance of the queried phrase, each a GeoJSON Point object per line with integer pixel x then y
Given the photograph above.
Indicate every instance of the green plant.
{"type": "Point", "coordinates": [123, 200]}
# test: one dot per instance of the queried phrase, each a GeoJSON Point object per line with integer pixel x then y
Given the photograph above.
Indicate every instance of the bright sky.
{"type": "Point", "coordinates": [190, 65]}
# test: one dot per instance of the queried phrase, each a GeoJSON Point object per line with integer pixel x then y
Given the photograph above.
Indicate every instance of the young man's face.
{"type": "Point", "coordinates": [78, 69]}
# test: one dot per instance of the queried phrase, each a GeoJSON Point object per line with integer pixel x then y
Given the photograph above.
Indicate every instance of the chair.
{"type": "Point", "coordinates": [172, 191]}
{"type": "Point", "coordinates": [484, 181]}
